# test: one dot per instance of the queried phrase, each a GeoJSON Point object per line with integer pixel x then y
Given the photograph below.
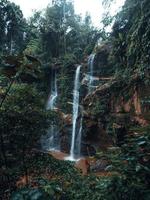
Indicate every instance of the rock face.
{"type": "Point", "coordinates": [109, 110]}
{"type": "Point", "coordinates": [114, 105]}
{"type": "Point", "coordinates": [95, 136]}
{"type": "Point", "coordinates": [83, 165]}
{"type": "Point", "coordinates": [102, 67]}
{"type": "Point", "coordinates": [116, 111]}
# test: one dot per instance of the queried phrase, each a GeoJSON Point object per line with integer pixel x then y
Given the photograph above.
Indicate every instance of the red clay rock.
{"type": "Point", "coordinates": [83, 165]}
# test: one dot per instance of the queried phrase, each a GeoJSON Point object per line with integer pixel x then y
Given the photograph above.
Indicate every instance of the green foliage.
{"type": "Point", "coordinates": [101, 106]}
{"type": "Point", "coordinates": [30, 194]}
{"type": "Point", "coordinates": [130, 182]}
{"type": "Point", "coordinates": [134, 167]}
{"type": "Point", "coordinates": [65, 82]}
{"type": "Point", "coordinates": [21, 114]}
{"type": "Point", "coordinates": [130, 38]}
{"type": "Point", "coordinates": [59, 31]}
{"type": "Point", "coordinates": [41, 161]}
{"type": "Point", "coordinates": [60, 37]}
{"type": "Point", "coordinates": [67, 182]}
{"type": "Point", "coordinates": [33, 47]}
{"type": "Point", "coordinates": [25, 68]}
{"type": "Point", "coordinates": [12, 29]}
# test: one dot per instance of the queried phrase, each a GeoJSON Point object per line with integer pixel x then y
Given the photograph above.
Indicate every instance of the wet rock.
{"type": "Point", "coordinates": [95, 135]}
{"type": "Point", "coordinates": [83, 165]}
{"type": "Point", "coordinates": [100, 165]}
{"type": "Point", "coordinates": [65, 139]}
{"type": "Point", "coordinates": [66, 118]}
{"type": "Point", "coordinates": [87, 150]}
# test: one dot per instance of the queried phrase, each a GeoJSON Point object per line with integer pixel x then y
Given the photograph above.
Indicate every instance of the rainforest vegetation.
{"type": "Point", "coordinates": [101, 80]}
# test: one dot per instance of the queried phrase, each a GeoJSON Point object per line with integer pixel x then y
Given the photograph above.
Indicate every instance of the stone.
{"type": "Point", "coordinates": [100, 165]}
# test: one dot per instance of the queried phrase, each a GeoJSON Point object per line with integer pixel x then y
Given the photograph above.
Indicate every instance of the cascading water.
{"type": "Point", "coordinates": [78, 143]}
{"type": "Point", "coordinates": [50, 141]}
{"type": "Point", "coordinates": [75, 109]}
{"type": "Point", "coordinates": [91, 68]}
{"type": "Point", "coordinates": [75, 115]}
{"type": "Point", "coordinates": [52, 99]}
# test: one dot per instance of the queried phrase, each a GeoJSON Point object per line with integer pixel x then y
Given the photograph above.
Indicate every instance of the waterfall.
{"type": "Point", "coordinates": [78, 144]}
{"type": "Point", "coordinates": [75, 114]}
{"type": "Point", "coordinates": [91, 68]}
{"type": "Point", "coordinates": [52, 99]}
{"type": "Point", "coordinates": [75, 109]}
{"type": "Point", "coordinates": [50, 141]}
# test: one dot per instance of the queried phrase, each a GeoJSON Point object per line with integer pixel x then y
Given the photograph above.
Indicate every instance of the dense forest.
{"type": "Point", "coordinates": [75, 103]}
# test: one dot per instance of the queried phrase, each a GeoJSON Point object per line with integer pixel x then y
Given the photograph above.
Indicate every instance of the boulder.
{"type": "Point", "coordinates": [100, 165]}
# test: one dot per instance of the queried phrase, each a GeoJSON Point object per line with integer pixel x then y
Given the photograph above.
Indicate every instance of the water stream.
{"type": "Point", "coordinates": [50, 142]}
{"type": "Point", "coordinates": [79, 138]}
{"type": "Point", "coordinates": [91, 69]}
{"type": "Point", "coordinates": [53, 94]}
{"type": "Point", "coordinates": [75, 133]}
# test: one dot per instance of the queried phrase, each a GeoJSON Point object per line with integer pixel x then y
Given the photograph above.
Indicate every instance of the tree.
{"type": "Point", "coordinates": [12, 29]}
{"type": "Point", "coordinates": [130, 38]}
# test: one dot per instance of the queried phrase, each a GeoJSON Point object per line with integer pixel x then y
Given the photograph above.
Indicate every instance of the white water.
{"type": "Point", "coordinates": [78, 144]}
{"type": "Point", "coordinates": [75, 113]}
{"type": "Point", "coordinates": [50, 141]}
{"type": "Point", "coordinates": [91, 68]}
{"type": "Point", "coordinates": [54, 93]}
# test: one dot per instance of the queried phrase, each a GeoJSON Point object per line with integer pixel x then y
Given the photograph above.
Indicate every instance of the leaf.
{"type": "Point", "coordinates": [12, 60]}
{"type": "Point", "coordinates": [141, 143]}
{"type": "Point", "coordinates": [32, 59]}
{"type": "Point", "coordinates": [138, 168]}
{"type": "Point", "coordinates": [29, 194]}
